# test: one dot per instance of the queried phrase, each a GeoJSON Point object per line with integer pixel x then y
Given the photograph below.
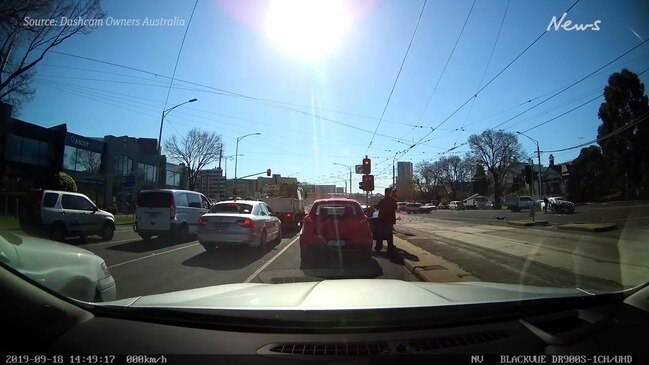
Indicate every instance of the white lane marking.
{"type": "Point", "coordinates": [153, 255]}
{"type": "Point", "coordinates": [270, 261]}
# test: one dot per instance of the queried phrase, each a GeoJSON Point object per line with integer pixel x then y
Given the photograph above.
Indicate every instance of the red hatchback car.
{"type": "Point", "coordinates": [335, 227]}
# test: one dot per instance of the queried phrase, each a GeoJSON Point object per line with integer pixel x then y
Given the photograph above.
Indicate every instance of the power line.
{"type": "Point", "coordinates": [484, 73]}
{"type": "Point", "coordinates": [180, 50]}
{"type": "Point", "coordinates": [394, 85]}
{"type": "Point", "coordinates": [448, 60]}
{"type": "Point", "coordinates": [493, 78]}
{"type": "Point", "coordinates": [637, 121]}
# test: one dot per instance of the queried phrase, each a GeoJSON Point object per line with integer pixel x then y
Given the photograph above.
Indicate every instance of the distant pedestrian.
{"type": "Point", "coordinates": [387, 208]}
{"type": "Point", "coordinates": [545, 204]}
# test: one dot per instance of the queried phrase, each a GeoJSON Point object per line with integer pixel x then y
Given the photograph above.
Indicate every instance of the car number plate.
{"type": "Point", "coordinates": [336, 243]}
{"type": "Point", "coordinates": [153, 215]}
{"type": "Point", "coordinates": [222, 225]}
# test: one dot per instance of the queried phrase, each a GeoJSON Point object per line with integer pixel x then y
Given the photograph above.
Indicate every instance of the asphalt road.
{"type": "Point", "coordinates": [157, 266]}
{"type": "Point", "coordinates": [480, 242]}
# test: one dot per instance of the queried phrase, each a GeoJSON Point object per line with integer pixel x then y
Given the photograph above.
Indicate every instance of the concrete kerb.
{"type": "Point", "coordinates": [589, 227]}
{"type": "Point", "coordinates": [430, 268]}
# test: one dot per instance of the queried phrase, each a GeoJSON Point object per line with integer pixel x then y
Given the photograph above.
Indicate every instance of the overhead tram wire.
{"type": "Point", "coordinates": [644, 117]}
{"type": "Point", "coordinates": [484, 73]}
{"type": "Point", "coordinates": [173, 75]}
{"type": "Point", "coordinates": [490, 81]}
{"type": "Point", "coordinates": [448, 60]}
{"type": "Point", "coordinates": [394, 85]}
{"type": "Point", "coordinates": [573, 84]}
{"type": "Point", "coordinates": [571, 110]}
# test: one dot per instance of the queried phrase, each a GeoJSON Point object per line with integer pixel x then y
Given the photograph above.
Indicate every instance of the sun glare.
{"type": "Point", "coordinates": [310, 29]}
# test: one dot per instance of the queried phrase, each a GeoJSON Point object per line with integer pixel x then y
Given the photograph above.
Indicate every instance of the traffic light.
{"type": "Point", "coordinates": [367, 166]}
{"type": "Point", "coordinates": [528, 174]}
{"type": "Point", "coordinates": [268, 172]}
{"type": "Point", "coordinates": [361, 186]}
{"type": "Point", "coordinates": [368, 182]}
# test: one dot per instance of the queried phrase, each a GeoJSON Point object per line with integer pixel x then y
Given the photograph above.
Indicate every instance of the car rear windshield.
{"type": "Point", "coordinates": [337, 209]}
{"type": "Point", "coordinates": [237, 208]}
{"type": "Point", "coordinates": [157, 199]}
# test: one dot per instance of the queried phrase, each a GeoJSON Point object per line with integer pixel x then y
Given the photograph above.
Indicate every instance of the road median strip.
{"type": "Point", "coordinates": [527, 223]}
{"type": "Point", "coordinates": [428, 267]}
{"type": "Point", "coordinates": [589, 227]}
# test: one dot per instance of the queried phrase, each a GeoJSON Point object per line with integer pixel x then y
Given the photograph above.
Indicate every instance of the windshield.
{"type": "Point", "coordinates": [237, 208]}
{"type": "Point", "coordinates": [231, 140]}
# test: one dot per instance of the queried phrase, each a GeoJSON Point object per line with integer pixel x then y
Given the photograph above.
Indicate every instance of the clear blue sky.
{"type": "Point", "coordinates": [228, 47]}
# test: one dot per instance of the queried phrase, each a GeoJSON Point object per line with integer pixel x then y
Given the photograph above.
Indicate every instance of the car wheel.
{"type": "Point", "coordinates": [145, 236]}
{"type": "Point", "coordinates": [58, 232]}
{"type": "Point", "coordinates": [182, 233]}
{"type": "Point", "coordinates": [107, 232]}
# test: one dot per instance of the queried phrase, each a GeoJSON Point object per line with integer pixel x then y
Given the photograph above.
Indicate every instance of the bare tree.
{"type": "Point", "coordinates": [497, 151]}
{"type": "Point", "coordinates": [26, 36]}
{"type": "Point", "coordinates": [88, 161]}
{"type": "Point", "coordinates": [430, 176]}
{"type": "Point", "coordinates": [196, 150]}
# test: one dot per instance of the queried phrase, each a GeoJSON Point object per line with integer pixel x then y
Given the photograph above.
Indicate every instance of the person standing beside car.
{"type": "Point", "coordinates": [387, 208]}
{"type": "Point", "coordinates": [545, 204]}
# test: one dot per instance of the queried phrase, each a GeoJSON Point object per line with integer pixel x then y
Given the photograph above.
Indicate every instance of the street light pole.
{"type": "Point", "coordinates": [162, 120]}
{"type": "Point", "coordinates": [350, 175]}
{"type": "Point", "coordinates": [164, 114]}
{"type": "Point", "coordinates": [538, 155]}
{"type": "Point", "coordinates": [236, 154]}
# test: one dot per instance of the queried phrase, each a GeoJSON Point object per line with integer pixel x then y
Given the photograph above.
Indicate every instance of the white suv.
{"type": "Point", "coordinates": [65, 214]}
{"type": "Point", "coordinates": [165, 212]}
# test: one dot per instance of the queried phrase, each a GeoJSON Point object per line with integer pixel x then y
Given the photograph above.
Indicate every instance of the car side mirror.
{"type": "Point", "coordinates": [299, 224]}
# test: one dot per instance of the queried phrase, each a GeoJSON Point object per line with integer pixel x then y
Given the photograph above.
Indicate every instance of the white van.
{"type": "Point", "coordinates": [165, 212]}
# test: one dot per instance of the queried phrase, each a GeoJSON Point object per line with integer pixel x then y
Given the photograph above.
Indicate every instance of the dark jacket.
{"type": "Point", "coordinates": [387, 210]}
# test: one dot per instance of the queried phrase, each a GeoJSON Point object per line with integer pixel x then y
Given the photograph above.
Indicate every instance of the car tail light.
{"type": "Point", "coordinates": [202, 221]}
{"type": "Point", "coordinates": [246, 223]}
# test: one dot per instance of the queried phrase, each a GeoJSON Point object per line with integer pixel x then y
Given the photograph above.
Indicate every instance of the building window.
{"type": "Point", "coordinates": [77, 159]}
{"type": "Point", "coordinates": [148, 172]}
{"type": "Point", "coordinates": [173, 178]}
{"type": "Point", "coordinates": [28, 151]}
{"type": "Point", "coordinates": [123, 165]}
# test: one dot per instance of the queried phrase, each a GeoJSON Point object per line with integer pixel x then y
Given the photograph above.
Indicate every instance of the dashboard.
{"type": "Point", "coordinates": [60, 331]}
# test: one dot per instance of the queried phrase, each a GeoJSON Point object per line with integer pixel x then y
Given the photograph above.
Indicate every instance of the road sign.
{"type": "Point", "coordinates": [359, 169]}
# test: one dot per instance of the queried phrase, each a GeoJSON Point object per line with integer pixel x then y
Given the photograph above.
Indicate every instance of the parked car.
{"type": "Point", "coordinates": [165, 212]}
{"type": "Point", "coordinates": [64, 214]}
{"type": "Point", "coordinates": [427, 208]}
{"type": "Point", "coordinates": [335, 227]}
{"type": "Point", "coordinates": [413, 208]}
{"type": "Point", "coordinates": [401, 206]}
{"type": "Point", "coordinates": [516, 203]}
{"type": "Point", "coordinates": [442, 206]}
{"type": "Point", "coordinates": [456, 205]}
{"type": "Point", "coordinates": [67, 270]}
{"type": "Point", "coordinates": [239, 223]}
{"type": "Point", "coordinates": [560, 205]}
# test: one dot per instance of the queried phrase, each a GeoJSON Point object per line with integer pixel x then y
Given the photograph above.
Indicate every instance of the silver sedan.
{"type": "Point", "coordinates": [239, 222]}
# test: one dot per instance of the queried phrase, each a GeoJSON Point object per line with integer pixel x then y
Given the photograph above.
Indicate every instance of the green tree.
{"type": "Point", "coordinates": [627, 152]}
{"type": "Point", "coordinates": [497, 151]}
{"type": "Point", "coordinates": [592, 174]}
{"type": "Point", "coordinates": [65, 182]}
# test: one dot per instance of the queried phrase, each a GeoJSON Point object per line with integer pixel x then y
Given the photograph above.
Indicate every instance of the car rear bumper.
{"type": "Point", "coordinates": [230, 238]}
{"type": "Point", "coordinates": [322, 249]}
